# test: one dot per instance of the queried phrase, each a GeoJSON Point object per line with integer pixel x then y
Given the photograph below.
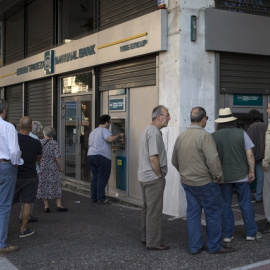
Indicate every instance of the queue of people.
{"type": "Point", "coordinates": [211, 168]}
{"type": "Point", "coordinates": [26, 168]}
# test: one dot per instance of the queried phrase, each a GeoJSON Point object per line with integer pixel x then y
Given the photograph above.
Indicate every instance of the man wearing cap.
{"type": "Point", "coordinates": [195, 157]}
{"type": "Point", "coordinates": [10, 157]}
{"type": "Point", "coordinates": [237, 159]}
{"type": "Point", "coordinates": [266, 185]}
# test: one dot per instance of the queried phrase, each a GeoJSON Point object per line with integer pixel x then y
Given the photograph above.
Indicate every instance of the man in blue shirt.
{"type": "Point", "coordinates": [99, 158]}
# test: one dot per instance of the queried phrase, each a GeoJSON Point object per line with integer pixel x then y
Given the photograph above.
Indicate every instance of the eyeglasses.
{"type": "Point", "coordinates": [167, 115]}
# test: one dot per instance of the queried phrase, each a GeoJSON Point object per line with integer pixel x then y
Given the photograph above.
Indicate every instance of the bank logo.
{"type": "Point", "coordinates": [49, 62]}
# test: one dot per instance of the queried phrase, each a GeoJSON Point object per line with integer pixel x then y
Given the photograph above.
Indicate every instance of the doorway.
{"type": "Point", "coordinates": [76, 127]}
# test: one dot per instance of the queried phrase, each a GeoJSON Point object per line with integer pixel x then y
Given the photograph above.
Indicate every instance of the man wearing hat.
{"type": "Point", "coordinates": [196, 159]}
{"type": "Point", "coordinates": [237, 159]}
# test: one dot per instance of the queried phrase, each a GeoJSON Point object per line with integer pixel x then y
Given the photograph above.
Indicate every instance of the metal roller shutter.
{"type": "Point", "coordinates": [14, 99]}
{"type": "Point", "coordinates": [113, 12]}
{"type": "Point", "coordinates": [14, 38]}
{"type": "Point", "coordinates": [131, 73]}
{"type": "Point", "coordinates": [39, 101]}
{"type": "Point", "coordinates": [40, 32]}
{"type": "Point", "coordinates": [244, 73]}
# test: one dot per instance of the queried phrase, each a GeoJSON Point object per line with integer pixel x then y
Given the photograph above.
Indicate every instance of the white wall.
{"type": "Point", "coordinates": [186, 80]}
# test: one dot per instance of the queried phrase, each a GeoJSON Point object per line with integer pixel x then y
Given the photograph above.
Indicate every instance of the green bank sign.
{"type": "Point", "coordinates": [248, 100]}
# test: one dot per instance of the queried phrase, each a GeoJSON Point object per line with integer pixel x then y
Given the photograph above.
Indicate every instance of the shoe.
{"type": "Point", "coordinates": [93, 200]}
{"type": "Point", "coordinates": [26, 233]}
{"type": "Point", "coordinates": [33, 219]}
{"type": "Point", "coordinates": [161, 247]}
{"type": "Point", "coordinates": [196, 252]}
{"type": "Point", "coordinates": [257, 236]}
{"type": "Point", "coordinates": [224, 250]}
{"type": "Point", "coordinates": [259, 201]}
{"type": "Point", "coordinates": [47, 210]}
{"type": "Point", "coordinates": [228, 239]}
{"type": "Point", "coordinates": [143, 242]}
{"type": "Point", "coordinates": [8, 249]}
{"type": "Point", "coordinates": [104, 202]}
{"type": "Point", "coordinates": [61, 209]}
{"type": "Point", "coordinates": [266, 228]}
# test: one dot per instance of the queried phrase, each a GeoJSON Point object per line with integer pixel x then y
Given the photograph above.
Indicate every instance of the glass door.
{"type": "Point", "coordinates": [77, 126]}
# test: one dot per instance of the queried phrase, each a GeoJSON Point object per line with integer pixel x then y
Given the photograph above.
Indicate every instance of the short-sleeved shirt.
{"type": "Point", "coordinates": [30, 148]}
{"type": "Point", "coordinates": [98, 144]}
{"type": "Point", "coordinates": [151, 144]}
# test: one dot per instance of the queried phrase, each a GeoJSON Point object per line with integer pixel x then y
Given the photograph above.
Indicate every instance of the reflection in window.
{"type": "Point", "coordinates": [77, 19]}
{"type": "Point", "coordinates": [80, 83]}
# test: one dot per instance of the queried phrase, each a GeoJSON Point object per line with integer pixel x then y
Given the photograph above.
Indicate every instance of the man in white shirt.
{"type": "Point", "coordinates": [10, 157]}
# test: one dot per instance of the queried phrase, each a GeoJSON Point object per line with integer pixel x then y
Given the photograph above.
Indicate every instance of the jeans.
{"type": "Point", "coordinates": [266, 192]}
{"type": "Point", "coordinates": [152, 192]}
{"type": "Point", "coordinates": [8, 177]}
{"type": "Point", "coordinates": [259, 176]}
{"type": "Point", "coordinates": [243, 194]}
{"type": "Point", "coordinates": [205, 197]}
{"type": "Point", "coordinates": [101, 170]}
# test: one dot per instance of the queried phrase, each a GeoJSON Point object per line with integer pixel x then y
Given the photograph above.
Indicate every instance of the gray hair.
{"type": "Point", "coordinates": [157, 111]}
{"type": "Point", "coordinates": [36, 127]}
{"type": "Point", "coordinates": [3, 105]}
{"type": "Point", "coordinates": [49, 132]}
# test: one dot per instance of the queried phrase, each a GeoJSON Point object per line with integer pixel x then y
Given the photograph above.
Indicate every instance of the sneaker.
{"type": "Point", "coordinates": [26, 233]}
{"type": "Point", "coordinates": [228, 239]}
{"type": "Point", "coordinates": [257, 236]}
{"type": "Point", "coordinates": [266, 228]}
{"type": "Point", "coordinates": [8, 249]}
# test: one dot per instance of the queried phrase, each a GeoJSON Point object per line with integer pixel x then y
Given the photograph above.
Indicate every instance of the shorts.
{"type": "Point", "coordinates": [26, 190]}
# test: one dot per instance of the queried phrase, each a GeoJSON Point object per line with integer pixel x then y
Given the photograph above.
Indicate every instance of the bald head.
{"type": "Point", "coordinates": [197, 114]}
{"type": "Point", "coordinates": [25, 125]}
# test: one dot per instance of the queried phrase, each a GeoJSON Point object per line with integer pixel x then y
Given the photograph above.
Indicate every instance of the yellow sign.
{"type": "Point", "coordinates": [119, 162]}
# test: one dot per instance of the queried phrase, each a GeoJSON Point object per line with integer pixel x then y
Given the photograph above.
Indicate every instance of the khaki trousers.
{"type": "Point", "coordinates": [152, 211]}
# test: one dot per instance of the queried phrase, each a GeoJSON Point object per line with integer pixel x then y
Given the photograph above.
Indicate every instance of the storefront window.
{"type": "Point", "coordinates": [77, 84]}
{"type": "Point", "coordinates": [77, 19]}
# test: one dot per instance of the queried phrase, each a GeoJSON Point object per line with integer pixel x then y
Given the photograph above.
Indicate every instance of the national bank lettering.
{"type": "Point", "coordinates": [75, 55]}
{"type": "Point", "coordinates": [80, 53]}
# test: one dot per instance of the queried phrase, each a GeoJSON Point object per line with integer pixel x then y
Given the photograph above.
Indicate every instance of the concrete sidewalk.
{"type": "Point", "coordinates": [91, 236]}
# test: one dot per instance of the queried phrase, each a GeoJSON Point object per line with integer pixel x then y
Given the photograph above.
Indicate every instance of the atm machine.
{"type": "Point", "coordinates": [118, 112]}
{"type": "Point", "coordinates": [118, 125]}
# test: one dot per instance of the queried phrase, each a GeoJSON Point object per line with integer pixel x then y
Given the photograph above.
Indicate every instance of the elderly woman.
{"type": "Point", "coordinates": [50, 168]}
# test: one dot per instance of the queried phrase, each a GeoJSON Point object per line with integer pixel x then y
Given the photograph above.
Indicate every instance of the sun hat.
{"type": "Point", "coordinates": [225, 115]}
